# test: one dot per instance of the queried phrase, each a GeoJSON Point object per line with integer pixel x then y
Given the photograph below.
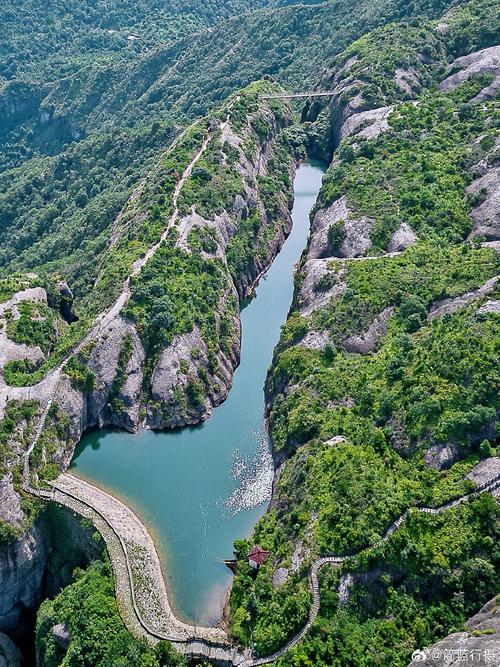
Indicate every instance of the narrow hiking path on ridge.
{"type": "Point", "coordinates": [139, 581]}
{"type": "Point", "coordinates": [52, 378]}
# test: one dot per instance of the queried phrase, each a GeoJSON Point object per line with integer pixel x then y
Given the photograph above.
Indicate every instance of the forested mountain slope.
{"type": "Point", "coordinates": [160, 336]}
{"type": "Point", "coordinates": [383, 391]}
{"type": "Point", "coordinates": [33, 32]}
{"type": "Point", "coordinates": [158, 343]}
{"type": "Point", "coordinates": [102, 125]}
{"type": "Point", "coordinates": [126, 247]}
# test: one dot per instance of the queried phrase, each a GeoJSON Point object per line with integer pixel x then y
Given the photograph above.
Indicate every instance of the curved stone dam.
{"type": "Point", "coordinates": [199, 489]}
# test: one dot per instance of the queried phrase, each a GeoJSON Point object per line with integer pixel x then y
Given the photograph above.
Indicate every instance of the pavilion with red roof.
{"type": "Point", "coordinates": [257, 556]}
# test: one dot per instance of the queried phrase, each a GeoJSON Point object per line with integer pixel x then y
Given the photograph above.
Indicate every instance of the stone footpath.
{"type": "Point", "coordinates": [140, 586]}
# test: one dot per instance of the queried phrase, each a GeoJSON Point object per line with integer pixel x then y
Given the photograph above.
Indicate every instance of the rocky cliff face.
{"type": "Point", "coordinates": [22, 568]}
{"type": "Point", "coordinates": [35, 566]}
{"type": "Point", "coordinates": [118, 374]}
{"type": "Point", "coordinates": [478, 642]}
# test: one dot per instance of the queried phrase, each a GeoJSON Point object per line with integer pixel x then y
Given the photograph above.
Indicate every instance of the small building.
{"type": "Point", "coordinates": [257, 556]}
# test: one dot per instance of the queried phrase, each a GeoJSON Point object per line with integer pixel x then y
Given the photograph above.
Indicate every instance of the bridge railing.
{"type": "Point", "coordinates": [287, 96]}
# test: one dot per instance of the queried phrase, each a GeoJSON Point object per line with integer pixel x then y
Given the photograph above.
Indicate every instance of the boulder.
{"type": "Point", "coordinates": [486, 215]}
{"type": "Point", "coordinates": [485, 471]}
{"type": "Point", "coordinates": [403, 238]}
{"type": "Point", "coordinates": [61, 635]}
{"type": "Point", "coordinates": [441, 456]}
{"type": "Point", "coordinates": [368, 124]}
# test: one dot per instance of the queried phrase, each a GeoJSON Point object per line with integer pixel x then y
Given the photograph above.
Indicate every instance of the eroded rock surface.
{"type": "Point", "coordinates": [478, 644]}
{"type": "Point", "coordinates": [486, 61]}
{"type": "Point", "coordinates": [368, 124]}
{"type": "Point", "coordinates": [486, 215]}
{"type": "Point", "coordinates": [22, 566]}
{"type": "Point", "coordinates": [442, 455]}
{"type": "Point", "coordinates": [322, 280]}
{"type": "Point", "coordinates": [367, 342]}
{"type": "Point", "coordinates": [403, 238]}
{"type": "Point", "coordinates": [10, 655]}
{"type": "Point", "coordinates": [447, 306]}
{"type": "Point", "coordinates": [485, 471]}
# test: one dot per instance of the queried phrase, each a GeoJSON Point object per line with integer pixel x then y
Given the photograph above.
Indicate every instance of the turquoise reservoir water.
{"type": "Point", "coordinates": [199, 489]}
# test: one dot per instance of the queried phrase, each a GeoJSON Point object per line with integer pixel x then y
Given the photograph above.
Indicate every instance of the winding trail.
{"type": "Point", "coordinates": [139, 583]}
{"type": "Point", "coordinates": [140, 586]}
{"type": "Point", "coordinates": [52, 378]}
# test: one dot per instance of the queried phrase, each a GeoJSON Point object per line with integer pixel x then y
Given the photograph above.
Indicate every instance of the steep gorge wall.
{"type": "Point", "coordinates": [38, 565]}
{"type": "Point", "coordinates": [120, 374]}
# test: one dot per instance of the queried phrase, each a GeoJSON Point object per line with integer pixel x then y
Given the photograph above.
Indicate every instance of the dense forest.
{"type": "Point", "coordinates": [72, 150]}
{"type": "Point", "coordinates": [83, 32]}
{"type": "Point", "coordinates": [382, 395]}
{"type": "Point", "coordinates": [389, 400]}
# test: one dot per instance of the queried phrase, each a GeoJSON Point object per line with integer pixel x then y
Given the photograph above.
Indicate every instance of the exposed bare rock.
{"type": "Point", "coordinates": [369, 124]}
{"type": "Point", "coordinates": [368, 341]}
{"type": "Point", "coordinates": [344, 402]}
{"type": "Point", "coordinates": [280, 577]}
{"type": "Point", "coordinates": [345, 587]}
{"type": "Point", "coordinates": [223, 225]}
{"type": "Point", "coordinates": [130, 393]}
{"type": "Point", "coordinates": [403, 238]}
{"type": "Point", "coordinates": [298, 556]}
{"type": "Point", "coordinates": [10, 655]}
{"type": "Point", "coordinates": [442, 27]}
{"type": "Point", "coordinates": [349, 63]}
{"type": "Point", "coordinates": [9, 350]}
{"type": "Point", "coordinates": [73, 404]}
{"type": "Point", "coordinates": [347, 97]}
{"type": "Point", "coordinates": [486, 61]}
{"type": "Point", "coordinates": [10, 502]}
{"type": "Point", "coordinates": [324, 218]}
{"type": "Point", "coordinates": [228, 135]}
{"type": "Point", "coordinates": [488, 617]}
{"type": "Point", "coordinates": [485, 471]}
{"type": "Point", "coordinates": [61, 635]}
{"type": "Point", "coordinates": [478, 644]}
{"type": "Point", "coordinates": [314, 271]}
{"type": "Point", "coordinates": [486, 216]}
{"type": "Point", "coordinates": [66, 303]}
{"type": "Point", "coordinates": [357, 237]}
{"type": "Point", "coordinates": [21, 570]}
{"type": "Point", "coordinates": [176, 369]}
{"type": "Point", "coordinates": [336, 440]}
{"type": "Point", "coordinates": [447, 306]}
{"type": "Point", "coordinates": [103, 362]}
{"type": "Point", "coordinates": [441, 456]}
{"type": "Point", "coordinates": [494, 245]}
{"type": "Point", "coordinates": [168, 374]}
{"type": "Point", "coordinates": [407, 79]}
{"type": "Point", "coordinates": [357, 231]}
{"type": "Point", "coordinates": [35, 294]}
{"type": "Point", "coordinates": [491, 306]}
{"type": "Point", "coordinates": [487, 159]}
{"type": "Point", "coordinates": [315, 340]}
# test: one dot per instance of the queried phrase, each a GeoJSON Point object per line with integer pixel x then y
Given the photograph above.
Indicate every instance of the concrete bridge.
{"type": "Point", "coordinates": [290, 96]}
